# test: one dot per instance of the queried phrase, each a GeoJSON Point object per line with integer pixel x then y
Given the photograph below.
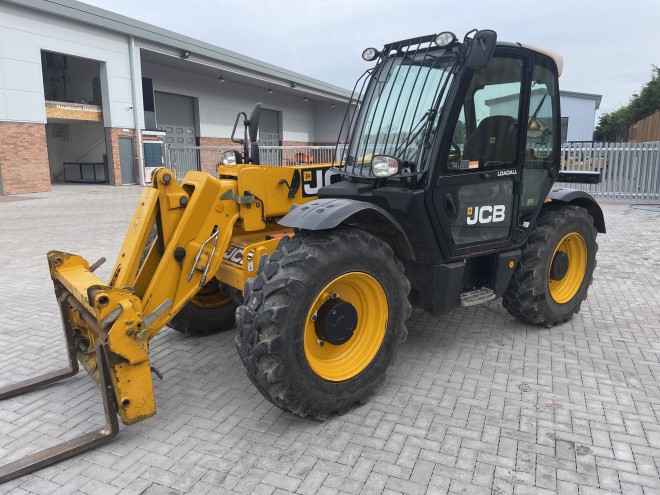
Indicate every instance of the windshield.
{"type": "Point", "coordinates": [400, 111]}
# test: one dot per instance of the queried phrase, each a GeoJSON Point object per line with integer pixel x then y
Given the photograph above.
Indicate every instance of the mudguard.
{"type": "Point", "coordinates": [328, 213]}
{"type": "Point", "coordinates": [580, 198]}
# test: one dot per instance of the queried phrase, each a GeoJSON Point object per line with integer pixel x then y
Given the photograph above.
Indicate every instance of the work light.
{"type": "Point", "coordinates": [445, 38]}
{"type": "Point", "coordinates": [370, 54]}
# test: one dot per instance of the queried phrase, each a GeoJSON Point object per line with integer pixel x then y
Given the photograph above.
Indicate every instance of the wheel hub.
{"type": "Point", "coordinates": [353, 341]}
{"type": "Point", "coordinates": [559, 266]}
{"type": "Point", "coordinates": [336, 320]}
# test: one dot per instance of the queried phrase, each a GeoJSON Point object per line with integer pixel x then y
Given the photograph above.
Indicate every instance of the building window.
{"type": "Point", "coordinates": [70, 79]}
{"type": "Point", "coordinates": [152, 155]}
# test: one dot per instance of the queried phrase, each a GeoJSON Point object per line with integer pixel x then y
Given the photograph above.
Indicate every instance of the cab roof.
{"type": "Point", "coordinates": [559, 60]}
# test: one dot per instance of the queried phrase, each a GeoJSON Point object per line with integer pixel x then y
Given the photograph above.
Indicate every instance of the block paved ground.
{"type": "Point", "coordinates": [475, 403]}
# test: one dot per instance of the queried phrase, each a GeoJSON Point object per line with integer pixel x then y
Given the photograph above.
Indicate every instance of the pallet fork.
{"type": "Point", "coordinates": [108, 327]}
{"type": "Point", "coordinates": [83, 442]}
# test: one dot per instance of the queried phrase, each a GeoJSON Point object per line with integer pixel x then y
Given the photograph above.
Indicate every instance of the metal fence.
{"type": "Point", "coordinates": [182, 159]}
{"type": "Point", "coordinates": [628, 170]}
{"type": "Point", "coordinates": [295, 155]}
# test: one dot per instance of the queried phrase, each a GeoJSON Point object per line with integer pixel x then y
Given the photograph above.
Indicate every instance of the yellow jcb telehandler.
{"type": "Point", "coordinates": [441, 197]}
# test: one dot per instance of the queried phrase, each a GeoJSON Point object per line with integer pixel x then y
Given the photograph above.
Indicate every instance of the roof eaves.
{"type": "Point", "coordinates": [81, 12]}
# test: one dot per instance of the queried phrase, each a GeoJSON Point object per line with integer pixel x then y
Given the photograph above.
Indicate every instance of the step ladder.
{"type": "Point", "coordinates": [477, 296]}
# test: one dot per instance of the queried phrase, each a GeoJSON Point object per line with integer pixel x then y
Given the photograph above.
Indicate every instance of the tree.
{"type": "Point", "coordinates": [613, 126]}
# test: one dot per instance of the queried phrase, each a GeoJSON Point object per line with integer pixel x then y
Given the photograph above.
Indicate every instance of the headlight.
{"type": "Point", "coordinates": [445, 38]}
{"type": "Point", "coordinates": [384, 166]}
{"type": "Point", "coordinates": [370, 54]}
{"type": "Point", "coordinates": [230, 158]}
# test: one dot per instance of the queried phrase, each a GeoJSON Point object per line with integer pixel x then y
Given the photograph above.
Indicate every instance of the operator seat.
{"type": "Point", "coordinates": [494, 140]}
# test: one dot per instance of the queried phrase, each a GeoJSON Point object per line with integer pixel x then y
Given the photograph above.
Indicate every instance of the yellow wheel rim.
{"type": "Point", "coordinates": [337, 363]}
{"type": "Point", "coordinates": [210, 297]}
{"type": "Point", "coordinates": [575, 248]}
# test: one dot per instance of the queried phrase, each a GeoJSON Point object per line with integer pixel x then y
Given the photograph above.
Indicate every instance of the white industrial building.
{"type": "Point", "coordinates": [578, 111]}
{"type": "Point", "coordinates": [86, 95]}
{"type": "Point", "coordinates": [82, 89]}
{"type": "Point", "coordinates": [578, 115]}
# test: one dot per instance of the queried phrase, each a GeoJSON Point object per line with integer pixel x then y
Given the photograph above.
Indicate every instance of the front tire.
{"type": "Point", "coordinates": [212, 310]}
{"type": "Point", "coordinates": [556, 267]}
{"type": "Point", "coordinates": [322, 320]}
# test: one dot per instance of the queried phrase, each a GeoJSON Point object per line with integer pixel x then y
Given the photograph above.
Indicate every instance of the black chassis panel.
{"type": "Point", "coordinates": [328, 213]}
{"type": "Point", "coordinates": [406, 208]}
{"type": "Point", "coordinates": [566, 195]}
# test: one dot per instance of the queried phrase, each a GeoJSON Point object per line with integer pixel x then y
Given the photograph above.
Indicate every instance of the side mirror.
{"type": "Point", "coordinates": [253, 123]}
{"type": "Point", "coordinates": [481, 49]}
{"type": "Point", "coordinates": [255, 158]}
{"type": "Point", "coordinates": [251, 127]}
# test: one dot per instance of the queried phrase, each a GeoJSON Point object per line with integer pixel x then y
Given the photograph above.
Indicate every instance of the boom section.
{"type": "Point", "coordinates": [173, 246]}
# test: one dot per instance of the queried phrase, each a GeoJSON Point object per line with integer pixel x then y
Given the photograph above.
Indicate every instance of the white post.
{"type": "Point", "coordinates": [138, 107]}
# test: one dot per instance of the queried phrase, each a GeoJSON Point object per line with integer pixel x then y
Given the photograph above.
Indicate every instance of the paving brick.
{"type": "Point", "coordinates": [282, 481]}
{"type": "Point", "coordinates": [303, 466]}
{"type": "Point", "coordinates": [422, 472]}
{"type": "Point", "coordinates": [609, 479]}
{"type": "Point", "coordinates": [250, 481]}
{"type": "Point", "coordinates": [546, 477]}
{"type": "Point", "coordinates": [637, 479]}
{"type": "Point", "coordinates": [312, 483]}
{"type": "Point", "coordinates": [375, 484]}
{"type": "Point", "coordinates": [95, 487]}
{"type": "Point", "coordinates": [636, 489]}
{"type": "Point", "coordinates": [392, 470]}
{"type": "Point", "coordinates": [476, 402]}
{"type": "Point", "coordinates": [343, 484]}
{"type": "Point", "coordinates": [398, 485]}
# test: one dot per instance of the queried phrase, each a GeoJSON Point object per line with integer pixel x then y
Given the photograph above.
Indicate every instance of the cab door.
{"type": "Point", "coordinates": [542, 144]}
{"type": "Point", "coordinates": [475, 198]}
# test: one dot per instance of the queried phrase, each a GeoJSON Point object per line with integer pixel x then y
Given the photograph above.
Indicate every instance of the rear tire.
{"type": "Point", "coordinates": [304, 279]}
{"type": "Point", "coordinates": [210, 311]}
{"type": "Point", "coordinates": [556, 267]}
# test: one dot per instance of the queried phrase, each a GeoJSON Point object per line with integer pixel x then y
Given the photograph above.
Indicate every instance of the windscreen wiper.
{"type": "Point", "coordinates": [418, 128]}
{"type": "Point", "coordinates": [536, 112]}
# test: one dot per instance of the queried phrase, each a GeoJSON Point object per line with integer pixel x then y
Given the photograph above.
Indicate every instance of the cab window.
{"type": "Point", "coordinates": [485, 135]}
{"type": "Point", "coordinates": [539, 145]}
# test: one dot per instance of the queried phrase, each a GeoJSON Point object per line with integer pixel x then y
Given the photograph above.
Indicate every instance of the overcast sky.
{"type": "Point", "coordinates": [608, 46]}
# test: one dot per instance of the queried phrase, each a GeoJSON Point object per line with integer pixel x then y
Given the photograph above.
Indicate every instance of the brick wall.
{"type": "Point", "coordinates": [305, 143]}
{"type": "Point", "coordinates": [296, 143]}
{"type": "Point", "coordinates": [209, 159]}
{"type": "Point", "coordinates": [112, 136]}
{"type": "Point", "coordinates": [24, 158]}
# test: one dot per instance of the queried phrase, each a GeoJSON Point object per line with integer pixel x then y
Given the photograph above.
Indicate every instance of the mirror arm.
{"type": "Point", "coordinates": [233, 132]}
{"type": "Point", "coordinates": [246, 149]}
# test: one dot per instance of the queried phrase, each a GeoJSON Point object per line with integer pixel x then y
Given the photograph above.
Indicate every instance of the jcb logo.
{"type": "Point", "coordinates": [485, 214]}
{"type": "Point", "coordinates": [315, 179]}
{"type": "Point", "coordinates": [234, 254]}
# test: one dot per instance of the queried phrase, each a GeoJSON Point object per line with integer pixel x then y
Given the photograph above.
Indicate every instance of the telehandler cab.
{"type": "Point", "coordinates": [441, 197]}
